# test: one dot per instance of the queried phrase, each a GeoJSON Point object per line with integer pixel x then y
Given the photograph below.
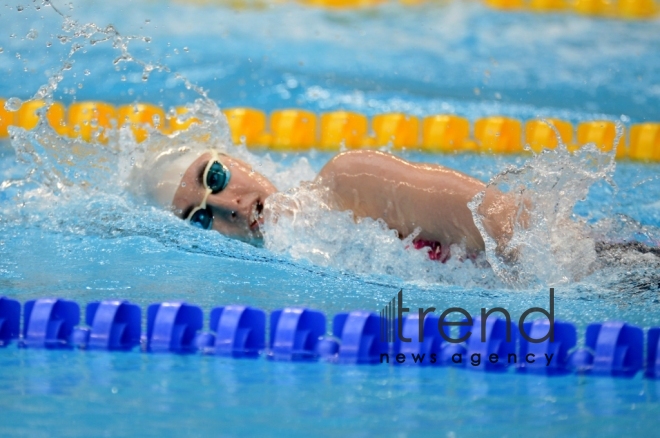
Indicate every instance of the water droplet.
{"type": "Point", "coordinates": [13, 104]}
{"type": "Point", "coordinates": [1, 50]}
{"type": "Point", "coordinates": [80, 85]}
{"type": "Point", "coordinates": [183, 184]}
{"type": "Point", "coordinates": [19, 8]}
{"type": "Point", "coordinates": [32, 34]}
{"type": "Point", "coordinates": [43, 91]}
{"type": "Point", "coordinates": [185, 49]}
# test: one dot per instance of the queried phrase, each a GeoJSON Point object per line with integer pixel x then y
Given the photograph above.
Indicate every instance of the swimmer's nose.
{"type": "Point", "coordinates": [231, 207]}
{"type": "Point", "coordinates": [225, 202]}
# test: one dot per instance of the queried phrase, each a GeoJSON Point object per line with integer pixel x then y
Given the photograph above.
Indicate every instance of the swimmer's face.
{"type": "Point", "coordinates": [236, 209]}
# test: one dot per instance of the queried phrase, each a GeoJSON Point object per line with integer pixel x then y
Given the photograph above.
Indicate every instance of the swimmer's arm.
{"type": "Point", "coordinates": [411, 195]}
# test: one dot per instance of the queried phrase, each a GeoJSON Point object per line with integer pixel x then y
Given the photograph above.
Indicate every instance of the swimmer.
{"type": "Point", "coordinates": [215, 191]}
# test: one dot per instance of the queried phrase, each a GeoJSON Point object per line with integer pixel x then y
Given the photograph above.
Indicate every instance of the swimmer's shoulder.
{"type": "Point", "coordinates": [361, 161]}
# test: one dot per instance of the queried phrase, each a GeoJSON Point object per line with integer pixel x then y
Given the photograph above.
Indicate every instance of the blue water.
{"type": "Point", "coordinates": [88, 243]}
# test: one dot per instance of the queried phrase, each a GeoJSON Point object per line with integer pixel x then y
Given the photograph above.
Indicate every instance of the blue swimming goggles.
{"type": "Point", "coordinates": [215, 178]}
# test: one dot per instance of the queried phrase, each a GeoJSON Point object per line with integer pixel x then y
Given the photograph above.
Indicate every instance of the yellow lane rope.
{"type": "Point", "coordinates": [624, 9]}
{"type": "Point", "coordinates": [295, 130]}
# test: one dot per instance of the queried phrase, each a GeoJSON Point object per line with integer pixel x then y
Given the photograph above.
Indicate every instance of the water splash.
{"type": "Point", "coordinates": [304, 224]}
{"type": "Point", "coordinates": [554, 246]}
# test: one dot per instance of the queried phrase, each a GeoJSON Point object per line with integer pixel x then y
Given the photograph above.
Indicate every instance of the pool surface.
{"type": "Point", "coordinates": [70, 228]}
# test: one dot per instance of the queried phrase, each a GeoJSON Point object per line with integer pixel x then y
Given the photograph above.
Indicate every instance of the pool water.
{"type": "Point", "coordinates": [69, 228]}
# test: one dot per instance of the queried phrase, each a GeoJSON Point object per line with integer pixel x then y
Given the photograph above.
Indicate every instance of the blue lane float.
{"type": "Point", "coordinates": [612, 349]}
{"type": "Point", "coordinates": [653, 354]}
{"type": "Point", "coordinates": [10, 320]}
{"type": "Point", "coordinates": [294, 334]}
{"type": "Point", "coordinates": [172, 327]}
{"type": "Point", "coordinates": [240, 331]}
{"type": "Point", "coordinates": [49, 323]}
{"type": "Point", "coordinates": [360, 338]}
{"type": "Point", "coordinates": [495, 347]}
{"type": "Point", "coordinates": [112, 325]}
{"type": "Point", "coordinates": [299, 334]}
{"type": "Point", "coordinates": [425, 343]}
{"type": "Point", "coordinates": [532, 353]}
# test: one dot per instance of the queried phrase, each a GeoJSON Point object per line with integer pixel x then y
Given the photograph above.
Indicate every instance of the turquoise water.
{"type": "Point", "coordinates": [73, 230]}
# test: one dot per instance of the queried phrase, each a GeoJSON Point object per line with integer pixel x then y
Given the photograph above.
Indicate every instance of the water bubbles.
{"type": "Point", "coordinates": [291, 83]}
{"type": "Point", "coordinates": [87, 72]}
{"type": "Point", "coordinates": [32, 34]}
{"type": "Point", "coordinates": [19, 8]}
{"type": "Point", "coordinates": [1, 49]}
{"type": "Point", "coordinates": [13, 104]}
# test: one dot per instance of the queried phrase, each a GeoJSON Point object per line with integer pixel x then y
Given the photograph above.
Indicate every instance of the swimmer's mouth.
{"type": "Point", "coordinates": [257, 216]}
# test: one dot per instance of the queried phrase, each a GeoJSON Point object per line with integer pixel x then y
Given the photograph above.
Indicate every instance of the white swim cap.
{"type": "Point", "coordinates": [159, 176]}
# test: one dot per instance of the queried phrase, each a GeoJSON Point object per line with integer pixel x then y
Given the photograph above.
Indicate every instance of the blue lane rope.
{"type": "Point", "coordinates": [359, 337]}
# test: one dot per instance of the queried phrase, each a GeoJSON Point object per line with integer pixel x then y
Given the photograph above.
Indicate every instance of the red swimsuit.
{"type": "Point", "coordinates": [436, 250]}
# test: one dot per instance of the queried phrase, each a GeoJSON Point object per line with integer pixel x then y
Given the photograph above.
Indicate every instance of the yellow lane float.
{"type": "Point", "coordinates": [293, 130]}
{"type": "Point", "coordinates": [498, 135]}
{"type": "Point", "coordinates": [342, 128]}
